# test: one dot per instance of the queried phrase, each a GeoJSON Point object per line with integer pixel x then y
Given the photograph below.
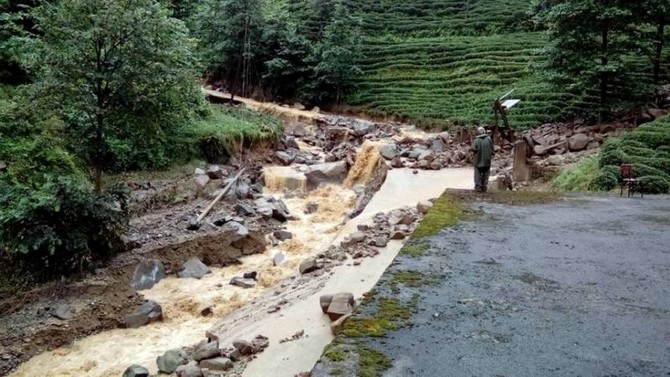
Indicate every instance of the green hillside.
{"type": "Point", "coordinates": [439, 62]}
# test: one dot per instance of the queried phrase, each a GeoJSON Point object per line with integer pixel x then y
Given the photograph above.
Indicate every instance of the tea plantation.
{"type": "Point", "coordinates": [443, 62]}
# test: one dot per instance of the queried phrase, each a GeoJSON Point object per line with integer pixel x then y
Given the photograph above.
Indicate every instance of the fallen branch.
{"type": "Point", "coordinates": [194, 225]}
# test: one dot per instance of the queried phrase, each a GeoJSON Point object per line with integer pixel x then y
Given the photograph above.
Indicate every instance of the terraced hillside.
{"type": "Point", "coordinates": [444, 61]}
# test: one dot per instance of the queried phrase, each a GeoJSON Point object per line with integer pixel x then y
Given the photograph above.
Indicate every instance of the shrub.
{"type": "Point", "coordinates": [606, 179]}
{"type": "Point", "coordinates": [60, 228]}
{"type": "Point", "coordinates": [654, 184]}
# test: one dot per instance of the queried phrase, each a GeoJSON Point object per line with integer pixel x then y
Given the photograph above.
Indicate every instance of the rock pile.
{"type": "Point", "coordinates": [206, 358]}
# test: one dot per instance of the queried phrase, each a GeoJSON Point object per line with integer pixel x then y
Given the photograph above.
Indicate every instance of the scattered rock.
{"type": "Point", "coordinates": [397, 163]}
{"type": "Point", "coordinates": [219, 363]}
{"type": "Point", "coordinates": [266, 212]}
{"type": "Point", "coordinates": [206, 351]}
{"type": "Point", "coordinates": [592, 145]}
{"type": "Point", "coordinates": [149, 311]}
{"type": "Point", "coordinates": [342, 304]}
{"type": "Point", "coordinates": [242, 282]}
{"type": "Point", "coordinates": [240, 230]}
{"type": "Point", "coordinates": [357, 237]}
{"type": "Point", "coordinates": [296, 336]}
{"type": "Point", "coordinates": [245, 347]}
{"type": "Point", "coordinates": [291, 143]}
{"type": "Point", "coordinates": [172, 359]}
{"type": "Point", "coordinates": [389, 151]}
{"type": "Point", "coordinates": [298, 106]}
{"type": "Point", "coordinates": [380, 241]}
{"type": "Point", "coordinates": [278, 259]}
{"type": "Point", "coordinates": [201, 181]}
{"type": "Point", "coordinates": [147, 273]}
{"type": "Point", "coordinates": [215, 172]}
{"type": "Point", "coordinates": [325, 301]}
{"type": "Point", "coordinates": [398, 235]}
{"type": "Point", "coordinates": [283, 235]}
{"type": "Point", "coordinates": [250, 275]}
{"type": "Point", "coordinates": [244, 210]}
{"type": "Point", "coordinates": [194, 268]}
{"type": "Point", "coordinates": [199, 171]}
{"type": "Point", "coordinates": [136, 371]}
{"type": "Point", "coordinates": [308, 266]}
{"type": "Point", "coordinates": [326, 172]}
{"type": "Point", "coordinates": [337, 326]}
{"type": "Point", "coordinates": [423, 206]}
{"type": "Point", "coordinates": [189, 371]}
{"type": "Point", "coordinates": [437, 146]}
{"type": "Point", "coordinates": [243, 191]}
{"type": "Point", "coordinates": [577, 142]}
{"type": "Point", "coordinates": [206, 312]}
{"type": "Point", "coordinates": [311, 208]}
{"type": "Point", "coordinates": [193, 224]}
{"type": "Point", "coordinates": [63, 312]}
{"type": "Point", "coordinates": [285, 157]}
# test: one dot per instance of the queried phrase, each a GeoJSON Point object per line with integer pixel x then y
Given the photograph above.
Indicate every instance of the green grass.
{"type": "Point", "coordinates": [226, 129]}
{"type": "Point", "coordinates": [579, 178]}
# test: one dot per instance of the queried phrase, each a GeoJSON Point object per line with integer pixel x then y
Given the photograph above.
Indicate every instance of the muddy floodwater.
{"type": "Point", "coordinates": [111, 352]}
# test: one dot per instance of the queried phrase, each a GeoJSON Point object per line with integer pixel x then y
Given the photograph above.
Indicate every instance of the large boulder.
{"type": "Point", "coordinates": [286, 157]}
{"type": "Point", "coordinates": [215, 172]}
{"type": "Point", "coordinates": [361, 127]}
{"type": "Point", "coordinates": [149, 311]}
{"type": "Point", "coordinates": [206, 351]}
{"type": "Point", "coordinates": [389, 151]}
{"type": "Point", "coordinates": [147, 273]}
{"type": "Point", "coordinates": [341, 305]}
{"type": "Point", "coordinates": [189, 371]}
{"type": "Point", "coordinates": [218, 363]}
{"type": "Point", "coordinates": [308, 266]}
{"type": "Point", "coordinates": [326, 172]}
{"type": "Point", "coordinates": [171, 360]}
{"type": "Point", "coordinates": [194, 268]}
{"type": "Point", "coordinates": [578, 142]}
{"type": "Point", "coordinates": [136, 371]}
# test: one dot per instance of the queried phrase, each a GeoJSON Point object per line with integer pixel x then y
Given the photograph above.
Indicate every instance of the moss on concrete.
{"type": "Point", "coordinates": [446, 211]}
{"type": "Point", "coordinates": [333, 354]}
{"type": "Point", "coordinates": [415, 248]}
{"type": "Point", "coordinates": [372, 363]}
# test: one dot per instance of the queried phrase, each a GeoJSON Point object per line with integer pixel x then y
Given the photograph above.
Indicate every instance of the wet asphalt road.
{"type": "Point", "coordinates": [579, 287]}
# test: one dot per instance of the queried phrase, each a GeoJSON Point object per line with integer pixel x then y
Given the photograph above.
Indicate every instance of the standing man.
{"type": "Point", "coordinates": [483, 148]}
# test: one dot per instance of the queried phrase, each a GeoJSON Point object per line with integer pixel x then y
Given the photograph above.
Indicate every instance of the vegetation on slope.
{"type": "Point", "coordinates": [647, 148]}
{"type": "Point", "coordinates": [443, 62]}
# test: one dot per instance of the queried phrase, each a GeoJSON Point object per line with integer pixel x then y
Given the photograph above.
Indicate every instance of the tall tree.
{"type": "Point", "coordinates": [230, 36]}
{"type": "Point", "coordinates": [337, 55]}
{"type": "Point", "coordinates": [590, 42]}
{"type": "Point", "coordinates": [114, 70]}
{"type": "Point", "coordinates": [658, 14]}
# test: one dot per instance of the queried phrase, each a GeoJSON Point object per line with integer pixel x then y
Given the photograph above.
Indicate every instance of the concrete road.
{"type": "Point", "coordinates": [579, 287]}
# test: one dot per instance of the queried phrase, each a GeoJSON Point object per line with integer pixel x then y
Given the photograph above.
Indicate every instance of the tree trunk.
{"type": "Point", "coordinates": [659, 52]}
{"type": "Point", "coordinates": [604, 76]}
{"type": "Point", "coordinates": [98, 179]}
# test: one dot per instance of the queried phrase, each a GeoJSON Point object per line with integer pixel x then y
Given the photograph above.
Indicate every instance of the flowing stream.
{"type": "Point", "coordinates": [111, 352]}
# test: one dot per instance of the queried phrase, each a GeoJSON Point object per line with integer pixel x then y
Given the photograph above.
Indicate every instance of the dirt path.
{"type": "Point", "coordinates": [577, 287]}
{"type": "Point", "coordinates": [285, 112]}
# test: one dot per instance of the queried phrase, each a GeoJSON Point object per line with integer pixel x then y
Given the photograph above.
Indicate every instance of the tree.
{"type": "Point", "coordinates": [120, 73]}
{"type": "Point", "coordinates": [337, 55]}
{"type": "Point", "coordinates": [230, 40]}
{"type": "Point", "coordinates": [589, 49]}
{"type": "Point", "coordinates": [657, 12]}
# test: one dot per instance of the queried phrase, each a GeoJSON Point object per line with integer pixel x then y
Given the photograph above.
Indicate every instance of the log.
{"type": "Point", "coordinates": [194, 225]}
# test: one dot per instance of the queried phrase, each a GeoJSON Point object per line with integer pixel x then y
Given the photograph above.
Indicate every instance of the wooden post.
{"type": "Point", "coordinates": [521, 169]}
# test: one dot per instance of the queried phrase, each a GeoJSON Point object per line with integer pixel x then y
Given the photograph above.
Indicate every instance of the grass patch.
{"type": "Point", "coordinates": [336, 372]}
{"type": "Point", "coordinates": [411, 279]}
{"type": "Point", "coordinates": [414, 248]}
{"type": "Point", "coordinates": [227, 129]}
{"type": "Point", "coordinates": [371, 363]}
{"type": "Point", "coordinates": [579, 178]}
{"type": "Point", "coordinates": [390, 315]}
{"type": "Point", "coordinates": [334, 354]}
{"type": "Point", "coordinates": [446, 211]}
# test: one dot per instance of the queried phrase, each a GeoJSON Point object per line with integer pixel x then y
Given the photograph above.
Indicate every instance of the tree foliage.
{"type": "Point", "coordinates": [121, 76]}
{"type": "Point", "coordinates": [595, 46]}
